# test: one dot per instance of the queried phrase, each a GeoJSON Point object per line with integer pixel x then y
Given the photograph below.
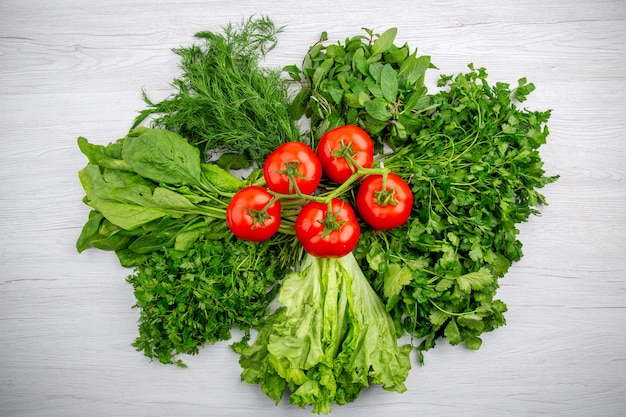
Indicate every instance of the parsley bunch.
{"type": "Point", "coordinates": [471, 157]}
{"type": "Point", "coordinates": [190, 298]}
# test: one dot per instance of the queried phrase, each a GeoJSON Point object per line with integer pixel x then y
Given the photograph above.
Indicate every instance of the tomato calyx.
{"type": "Point", "coordinates": [332, 221]}
{"type": "Point", "coordinates": [386, 196]}
{"type": "Point", "coordinates": [346, 152]}
{"type": "Point", "coordinates": [292, 172]}
{"type": "Point", "coordinates": [259, 217]}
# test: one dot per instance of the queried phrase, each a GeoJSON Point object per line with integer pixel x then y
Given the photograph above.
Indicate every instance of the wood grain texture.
{"type": "Point", "coordinates": [71, 68]}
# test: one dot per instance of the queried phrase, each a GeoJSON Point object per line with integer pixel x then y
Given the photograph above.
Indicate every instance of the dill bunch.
{"type": "Point", "coordinates": [224, 101]}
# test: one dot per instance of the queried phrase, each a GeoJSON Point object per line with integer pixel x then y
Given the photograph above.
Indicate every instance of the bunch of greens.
{"type": "Point", "coordinates": [161, 209]}
{"type": "Point", "coordinates": [366, 81]}
{"type": "Point", "coordinates": [330, 338]}
{"type": "Point", "coordinates": [225, 103]}
{"type": "Point", "coordinates": [471, 157]}
{"type": "Point", "coordinates": [157, 203]}
{"type": "Point", "coordinates": [193, 297]}
{"type": "Point", "coordinates": [159, 198]}
{"type": "Point", "coordinates": [148, 190]}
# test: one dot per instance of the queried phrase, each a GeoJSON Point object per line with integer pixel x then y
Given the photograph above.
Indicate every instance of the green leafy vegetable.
{"type": "Point", "coordinates": [471, 157]}
{"type": "Point", "coordinates": [366, 81]}
{"type": "Point", "coordinates": [330, 338]}
{"type": "Point", "coordinates": [150, 183]}
{"type": "Point", "coordinates": [469, 153]}
{"type": "Point", "coordinates": [224, 100]}
{"type": "Point", "coordinates": [475, 172]}
{"type": "Point", "coordinates": [158, 193]}
{"type": "Point", "coordinates": [162, 210]}
{"type": "Point", "coordinates": [193, 297]}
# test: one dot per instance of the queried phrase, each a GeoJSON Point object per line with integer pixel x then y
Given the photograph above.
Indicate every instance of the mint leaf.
{"type": "Point", "coordinates": [384, 42]}
{"type": "Point", "coordinates": [389, 83]}
{"type": "Point", "coordinates": [321, 71]}
{"type": "Point", "coordinates": [378, 109]}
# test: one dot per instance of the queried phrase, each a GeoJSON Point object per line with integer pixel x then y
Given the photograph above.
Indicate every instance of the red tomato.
{"type": "Point", "coordinates": [246, 215]}
{"type": "Point", "coordinates": [327, 234]}
{"type": "Point", "coordinates": [338, 146]}
{"type": "Point", "coordinates": [292, 160]}
{"type": "Point", "coordinates": [384, 209]}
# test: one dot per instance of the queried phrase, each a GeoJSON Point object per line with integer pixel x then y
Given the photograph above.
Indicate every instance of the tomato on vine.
{"type": "Point", "coordinates": [343, 150]}
{"type": "Point", "coordinates": [291, 165]}
{"type": "Point", "coordinates": [384, 203]}
{"type": "Point", "coordinates": [250, 215]}
{"type": "Point", "coordinates": [327, 230]}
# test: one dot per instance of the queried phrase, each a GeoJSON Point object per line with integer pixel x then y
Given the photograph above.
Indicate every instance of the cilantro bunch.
{"type": "Point", "coordinates": [470, 154]}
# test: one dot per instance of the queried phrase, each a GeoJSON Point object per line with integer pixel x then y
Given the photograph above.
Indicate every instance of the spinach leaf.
{"type": "Point", "coordinates": [163, 156]}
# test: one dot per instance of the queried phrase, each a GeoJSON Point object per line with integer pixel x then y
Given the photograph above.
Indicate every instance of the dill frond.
{"type": "Point", "coordinates": [224, 100]}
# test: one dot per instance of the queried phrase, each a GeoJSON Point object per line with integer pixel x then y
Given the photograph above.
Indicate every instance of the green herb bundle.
{"type": "Point", "coordinates": [162, 211]}
{"type": "Point", "coordinates": [366, 81]}
{"type": "Point", "coordinates": [225, 102]}
{"type": "Point", "coordinates": [471, 157]}
{"type": "Point", "coordinates": [193, 297]}
{"type": "Point", "coordinates": [159, 204]}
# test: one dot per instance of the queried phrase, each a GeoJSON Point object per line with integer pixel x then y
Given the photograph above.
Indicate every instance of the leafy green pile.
{"type": "Point", "coordinates": [162, 210]}
{"type": "Point", "coordinates": [159, 203]}
{"type": "Point", "coordinates": [366, 81]}
{"type": "Point", "coordinates": [148, 190]}
{"type": "Point", "coordinates": [193, 297]}
{"type": "Point", "coordinates": [158, 198]}
{"type": "Point", "coordinates": [471, 156]}
{"type": "Point", "coordinates": [225, 102]}
{"type": "Point", "coordinates": [330, 338]}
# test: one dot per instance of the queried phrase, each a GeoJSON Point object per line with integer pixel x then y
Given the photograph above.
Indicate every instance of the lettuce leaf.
{"type": "Point", "coordinates": [330, 338]}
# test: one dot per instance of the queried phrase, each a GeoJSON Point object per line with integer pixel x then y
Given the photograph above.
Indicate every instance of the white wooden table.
{"type": "Point", "coordinates": [70, 68]}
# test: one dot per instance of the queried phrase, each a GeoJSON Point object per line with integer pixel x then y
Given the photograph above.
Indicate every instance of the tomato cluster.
{"type": "Point", "coordinates": [326, 226]}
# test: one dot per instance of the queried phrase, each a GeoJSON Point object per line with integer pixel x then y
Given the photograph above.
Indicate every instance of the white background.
{"type": "Point", "coordinates": [71, 68]}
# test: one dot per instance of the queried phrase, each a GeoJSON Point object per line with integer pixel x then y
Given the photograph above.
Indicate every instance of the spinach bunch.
{"type": "Point", "coordinates": [149, 190]}
{"type": "Point", "coordinates": [471, 157]}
